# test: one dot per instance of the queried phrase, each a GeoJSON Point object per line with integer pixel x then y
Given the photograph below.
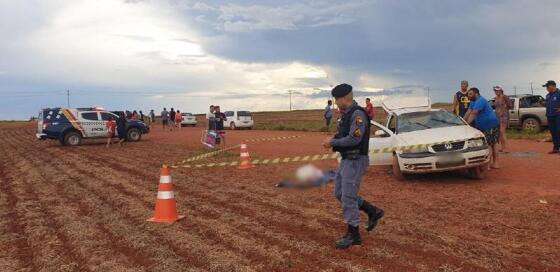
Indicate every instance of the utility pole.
{"type": "Point", "coordinates": [515, 90]}
{"type": "Point", "coordinates": [68, 98]}
{"type": "Point", "coordinates": [290, 92]}
{"type": "Point", "coordinates": [531, 87]}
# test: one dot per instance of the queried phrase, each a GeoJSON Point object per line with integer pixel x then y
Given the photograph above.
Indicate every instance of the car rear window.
{"type": "Point", "coordinates": [243, 113]}
{"type": "Point", "coordinates": [105, 116]}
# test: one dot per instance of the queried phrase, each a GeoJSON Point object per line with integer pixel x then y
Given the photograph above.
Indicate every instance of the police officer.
{"type": "Point", "coordinates": [352, 141]}
{"type": "Point", "coordinates": [553, 114]}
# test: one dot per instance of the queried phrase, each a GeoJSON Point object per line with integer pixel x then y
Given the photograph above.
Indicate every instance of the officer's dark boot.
{"type": "Point", "coordinates": [351, 238]}
{"type": "Point", "coordinates": [374, 214]}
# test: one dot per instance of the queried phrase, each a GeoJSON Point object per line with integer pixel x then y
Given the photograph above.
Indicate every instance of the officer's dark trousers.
{"type": "Point", "coordinates": [328, 121]}
{"type": "Point", "coordinates": [347, 185]}
{"type": "Point", "coordinates": [554, 127]}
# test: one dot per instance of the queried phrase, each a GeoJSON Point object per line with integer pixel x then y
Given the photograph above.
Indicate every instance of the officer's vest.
{"type": "Point", "coordinates": [463, 104]}
{"type": "Point", "coordinates": [344, 125]}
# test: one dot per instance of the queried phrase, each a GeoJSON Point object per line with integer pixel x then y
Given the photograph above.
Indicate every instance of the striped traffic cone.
{"type": "Point", "coordinates": [245, 159]}
{"type": "Point", "coordinates": [166, 208]}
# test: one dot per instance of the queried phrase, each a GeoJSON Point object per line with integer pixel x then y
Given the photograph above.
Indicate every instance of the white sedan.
{"type": "Point", "coordinates": [188, 119]}
{"type": "Point", "coordinates": [419, 139]}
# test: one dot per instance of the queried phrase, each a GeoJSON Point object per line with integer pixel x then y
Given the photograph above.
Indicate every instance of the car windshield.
{"type": "Point", "coordinates": [243, 113]}
{"type": "Point", "coordinates": [414, 121]}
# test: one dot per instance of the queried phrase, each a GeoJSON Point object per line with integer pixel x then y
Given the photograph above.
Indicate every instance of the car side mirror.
{"type": "Point", "coordinates": [380, 133]}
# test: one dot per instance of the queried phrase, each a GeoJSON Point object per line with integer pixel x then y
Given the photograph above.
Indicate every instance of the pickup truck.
{"type": "Point", "coordinates": [528, 112]}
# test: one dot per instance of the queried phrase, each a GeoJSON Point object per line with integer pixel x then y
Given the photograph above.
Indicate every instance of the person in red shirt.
{"type": "Point", "coordinates": [178, 119]}
{"type": "Point", "coordinates": [369, 108]}
{"type": "Point", "coordinates": [111, 127]}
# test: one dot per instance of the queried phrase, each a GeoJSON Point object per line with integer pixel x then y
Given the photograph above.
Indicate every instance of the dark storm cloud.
{"type": "Point", "coordinates": [427, 41]}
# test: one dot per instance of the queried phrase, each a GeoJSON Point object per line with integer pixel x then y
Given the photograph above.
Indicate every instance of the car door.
{"type": "Point", "coordinates": [381, 139]}
{"type": "Point", "coordinates": [92, 125]}
{"type": "Point", "coordinates": [514, 113]}
{"type": "Point", "coordinates": [229, 118]}
{"type": "Point", "coordinates": [105, 117]}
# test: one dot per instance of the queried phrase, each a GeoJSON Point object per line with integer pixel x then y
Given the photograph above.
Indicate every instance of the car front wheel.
{"type": "Point", "coordinates": [478, 172]}
{"type": "Point", "coordinates": [531, 125]}
{"type": "Point", "coordinates": [232, 126]}
{"type": "Point", "coordinates": [133, 135]}
{"type": "Point", "coordinates": [397, 168]}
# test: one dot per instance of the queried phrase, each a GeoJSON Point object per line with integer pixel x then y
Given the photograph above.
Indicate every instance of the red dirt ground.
{"type": "Point", "coordinates": [84, 209]}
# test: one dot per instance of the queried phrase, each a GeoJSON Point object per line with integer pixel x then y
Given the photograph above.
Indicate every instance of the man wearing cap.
{"type": "Point", "coordinates": [461, 100]}
{"type": "Point", "coordinates": [553, 114]}
{"type": "Point", "coordinates": [352, 141]}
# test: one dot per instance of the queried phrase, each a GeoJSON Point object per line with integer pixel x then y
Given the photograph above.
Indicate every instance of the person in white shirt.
{"type": "Point", "coordinates": [210, 117]}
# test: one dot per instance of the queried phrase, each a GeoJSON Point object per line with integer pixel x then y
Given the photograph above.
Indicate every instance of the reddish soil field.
{"type": "Point", "coordinates": [85, 209]}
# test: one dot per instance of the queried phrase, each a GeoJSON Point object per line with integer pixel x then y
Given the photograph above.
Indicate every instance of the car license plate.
{"type": "Point", "coordinates": [451, 158]}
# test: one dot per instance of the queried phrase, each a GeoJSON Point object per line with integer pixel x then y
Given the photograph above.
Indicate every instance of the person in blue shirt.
{"type": "Point", "coordinates": [481, 115]}
{"type": "Point", "coordinates": [553, 114]}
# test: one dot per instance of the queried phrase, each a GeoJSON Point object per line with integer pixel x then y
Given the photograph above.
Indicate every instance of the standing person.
{"type": "Point", "coordinates": [369, 109]}
{"type": "Point", "coordinates": [502, 106]}
{"type": "Point", "coordinates": [121, 128]}
{"type": "Point", "coordinates": [352, 141]}
{"type": "Point", "coordinates": [219, 118]}
{"type": "Point", "coordinates": [328, 114]}
{"type": "Point", "coordinates": [164, 118]}
{"type": "Point", "coordinates": [171, 119]}
{"type": "Point", "coordinates": [141, 116]}
{"type": "Point", "coordinates": [134, 116]}
{"type": "Point", "coordinates": [210, 117]}
{"type": "Point", "coordinates": [461, 100]}
{"type": "Point", "coordinates": [481, 114]}
{"type": "Point", "coordinates": [111, 127]}
{"type": "Point", "coordinates": [553, 114]}
{"type": "Point", "coordinates": [178, 119]}
{"type": "Point", "coordinates": [152, 116]}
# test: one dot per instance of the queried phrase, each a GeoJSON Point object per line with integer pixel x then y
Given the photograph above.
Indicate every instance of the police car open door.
{"type": "Point", "coordinates": [381, 140]}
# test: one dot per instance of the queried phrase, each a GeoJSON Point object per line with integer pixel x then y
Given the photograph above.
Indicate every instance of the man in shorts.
{"type": "Point", "coordinates": [481, 115]}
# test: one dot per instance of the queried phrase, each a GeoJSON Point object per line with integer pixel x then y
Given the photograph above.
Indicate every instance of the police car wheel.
{"type": "Point", "coordinates": [134, 135]}
{"type": "Point", "coordinates": [397, 168]}
{"type": "Point", "coordinates": [72, 138]}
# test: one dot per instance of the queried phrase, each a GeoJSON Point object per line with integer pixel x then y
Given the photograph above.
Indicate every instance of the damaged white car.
{"type": "Point", "coordinates": [419, 139]}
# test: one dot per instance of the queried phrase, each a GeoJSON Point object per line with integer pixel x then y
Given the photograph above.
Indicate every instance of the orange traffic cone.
{"type": "Point", "coordinates": [166, 208]}
{"type": "Point", "coordinates": [245, 159]}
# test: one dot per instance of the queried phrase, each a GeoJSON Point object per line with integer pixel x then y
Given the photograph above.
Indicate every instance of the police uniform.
{"type": "Point", "coordinates": [352, 142]}
{"type": "Point", "coordinates": [553, 116]}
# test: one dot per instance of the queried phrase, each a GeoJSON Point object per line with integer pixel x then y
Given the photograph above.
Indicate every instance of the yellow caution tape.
{"type": "Point", "coordinates": [305, 158]}
{"type": "Point", "coordinates": [213, 153]}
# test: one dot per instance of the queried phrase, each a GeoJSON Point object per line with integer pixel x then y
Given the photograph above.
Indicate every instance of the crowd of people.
{"type": "Point", "coordinates": [171, 120]}
{"type": "Point", "coordinates": [475, 109]}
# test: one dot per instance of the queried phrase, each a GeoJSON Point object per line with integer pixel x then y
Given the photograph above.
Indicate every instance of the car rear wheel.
{"type": "Point", "coordinates": [72, 138]}
{"type": "Point", "coordinates": [133, 135]}
{"type": "Point", "coordinates": [478, 172]}
{"type": "Point", "coordinates": [531, 125]}
{"type": "Point", "coordinates": [232, 126]}
{"type": "Point", "coordinates": [397, 168]}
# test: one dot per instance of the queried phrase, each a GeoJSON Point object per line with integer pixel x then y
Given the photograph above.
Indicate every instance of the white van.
{"type": "Point", "coordinates": [238, 119]}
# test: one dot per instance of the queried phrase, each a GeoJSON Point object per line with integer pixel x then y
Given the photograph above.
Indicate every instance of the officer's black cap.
{"type": "Point", "coordinates": [549, 83]}
{"type": "Point", "coordinates": [341, 90]}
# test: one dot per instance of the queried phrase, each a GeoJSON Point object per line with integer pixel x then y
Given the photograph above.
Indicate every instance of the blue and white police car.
{"type": "Point", "coordinates": [70, 125]}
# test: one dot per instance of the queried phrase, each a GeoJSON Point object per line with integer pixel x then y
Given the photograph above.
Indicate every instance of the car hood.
{"type": "Point", "coordinates": [435, 135]}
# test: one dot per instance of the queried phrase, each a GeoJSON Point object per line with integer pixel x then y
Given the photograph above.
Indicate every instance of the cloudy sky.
{"type": "Point", "coordinates": [247, 54]}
